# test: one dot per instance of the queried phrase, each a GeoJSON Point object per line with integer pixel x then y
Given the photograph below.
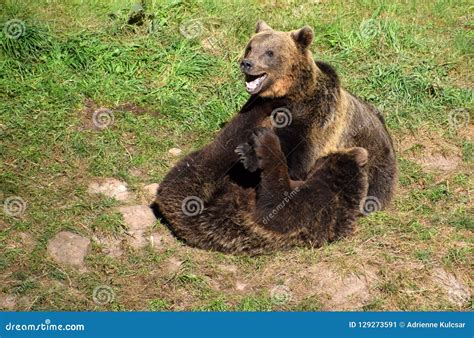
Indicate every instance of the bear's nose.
{"type": "Point", "coordinates": [246, 65]}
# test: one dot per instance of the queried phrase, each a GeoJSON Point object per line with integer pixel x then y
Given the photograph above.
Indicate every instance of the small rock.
{"type": "Point", "coordinates": [150, 190]}
{"type": "Point", "coordinates": [175, 151]}
{"type": "Point", "coordinates": [7, 302]}
{"type": "Point", "coordinates": [110, 187]}
{"type": "Point", "coordinates": [440, 162]}
{"type": "Point", "coordinates": [69, 248]}
{"type": "Point", "coordinates": [138, 218]}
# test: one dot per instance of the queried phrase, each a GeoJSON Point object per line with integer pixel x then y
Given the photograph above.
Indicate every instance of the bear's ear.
{"type": "Point", "coordinates": [303, 37]}
{"type": "Point", "coordinates": [262, 26]}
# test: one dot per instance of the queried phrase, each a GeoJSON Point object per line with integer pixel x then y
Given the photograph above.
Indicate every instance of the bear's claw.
{"type": "Point", "coordinates": [247, 156]}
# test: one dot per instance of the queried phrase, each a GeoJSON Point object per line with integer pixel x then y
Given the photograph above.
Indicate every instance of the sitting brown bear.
{"type": "Point", "coordinates": [306, 175]}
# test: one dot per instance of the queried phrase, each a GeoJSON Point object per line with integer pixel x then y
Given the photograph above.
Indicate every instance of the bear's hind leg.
{"type": "Point", "coordinates": [322, 208]}
{"type": "Point", "coordinates": [275, 189]}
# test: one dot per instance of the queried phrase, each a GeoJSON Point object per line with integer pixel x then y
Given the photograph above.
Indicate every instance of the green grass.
{"type": "Point", "coordinates": [412, 60]}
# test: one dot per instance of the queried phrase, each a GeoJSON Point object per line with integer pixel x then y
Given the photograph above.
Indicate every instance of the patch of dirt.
{"type": "Point", "coordinates": [20, 240]}
{"type": "Point", "coordinates": [215, 45]}
{"type": "Point", "coordinates": [226, 277]}
{"type": "Point", "coordinates": [440, 162]}
{"type": "Point", "coordinates": [458, 293]}
{"type": "Point", "coordinates": [90, 114]}
{"type": "Point", "coordinates": [171, 266]}
{"type": "Point", "coordinates": [240, 286]}
{"type": "Point", "coordinates": [27, 241]}
{"type": "Point", "coordinates": [227, 269]}
{"type": "Point", "coordinates": [139, 219]}
{"type": "Point", "coordinates": [338, 292]}
{"type": "Point", "coordinates": [69, 248]}
{"type": "Point", "coordinates": [97, 117]}
{"type": "Point", "coordinates": [161, 242]}
{"type": "Point", "coordinates": [135, 109]}
{"type": "Point", "coordinates": [429, 150]}
{"type": "Point", "coordinates": [148, 192]}
{"type": "Point", "coordinates": [112, 246]}
{"type": "Point", "coordinates": [336, 289]}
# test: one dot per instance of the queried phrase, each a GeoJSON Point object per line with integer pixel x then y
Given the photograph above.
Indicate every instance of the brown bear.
{"type": "Point", "coordinates": [319, 117]}
{"type": "Point", "coordinates": [211, 201]}
{"type": "Point", "coordinates": [289, 168]}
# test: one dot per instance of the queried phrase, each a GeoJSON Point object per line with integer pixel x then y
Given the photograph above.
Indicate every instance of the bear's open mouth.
{"type": "Point", "coordinates": [254, 83]}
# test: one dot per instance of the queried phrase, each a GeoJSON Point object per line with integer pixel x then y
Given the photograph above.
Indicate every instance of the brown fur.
{"type": "Point", "coordinates": [314, 167]}
{"type": "Point", "coordinates": [235, 214]}
{"type": "Point", "coordinates": [325, 117]}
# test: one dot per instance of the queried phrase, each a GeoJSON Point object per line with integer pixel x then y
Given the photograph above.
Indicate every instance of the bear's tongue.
{"type": "Point", "coordinates": [253, 85]}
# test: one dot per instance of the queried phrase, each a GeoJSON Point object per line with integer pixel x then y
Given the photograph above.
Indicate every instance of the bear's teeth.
{"type": "Point", "coordinates": [251, 85]}
{"type": "Point", "coordinates": [254, 84]}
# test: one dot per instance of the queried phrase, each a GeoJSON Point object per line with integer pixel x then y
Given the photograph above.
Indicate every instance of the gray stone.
{"type": "Point", "coordinates": [139, 219]}
{"type": "Point", "coordinates": [69, 248]}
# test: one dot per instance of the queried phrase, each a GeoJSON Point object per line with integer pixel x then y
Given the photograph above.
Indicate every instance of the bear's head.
{"type": "Point", "coordinates": [278, 64]}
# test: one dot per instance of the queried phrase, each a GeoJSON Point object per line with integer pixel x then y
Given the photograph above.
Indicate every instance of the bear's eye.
{"type": "Point", "coordinates": [247, 50]}
{"type": "Point", "coordinates": [269, 53]}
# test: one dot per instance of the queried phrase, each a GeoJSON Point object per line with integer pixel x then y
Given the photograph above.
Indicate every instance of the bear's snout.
{"type": "Point", "coordinates": [246, 65]}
